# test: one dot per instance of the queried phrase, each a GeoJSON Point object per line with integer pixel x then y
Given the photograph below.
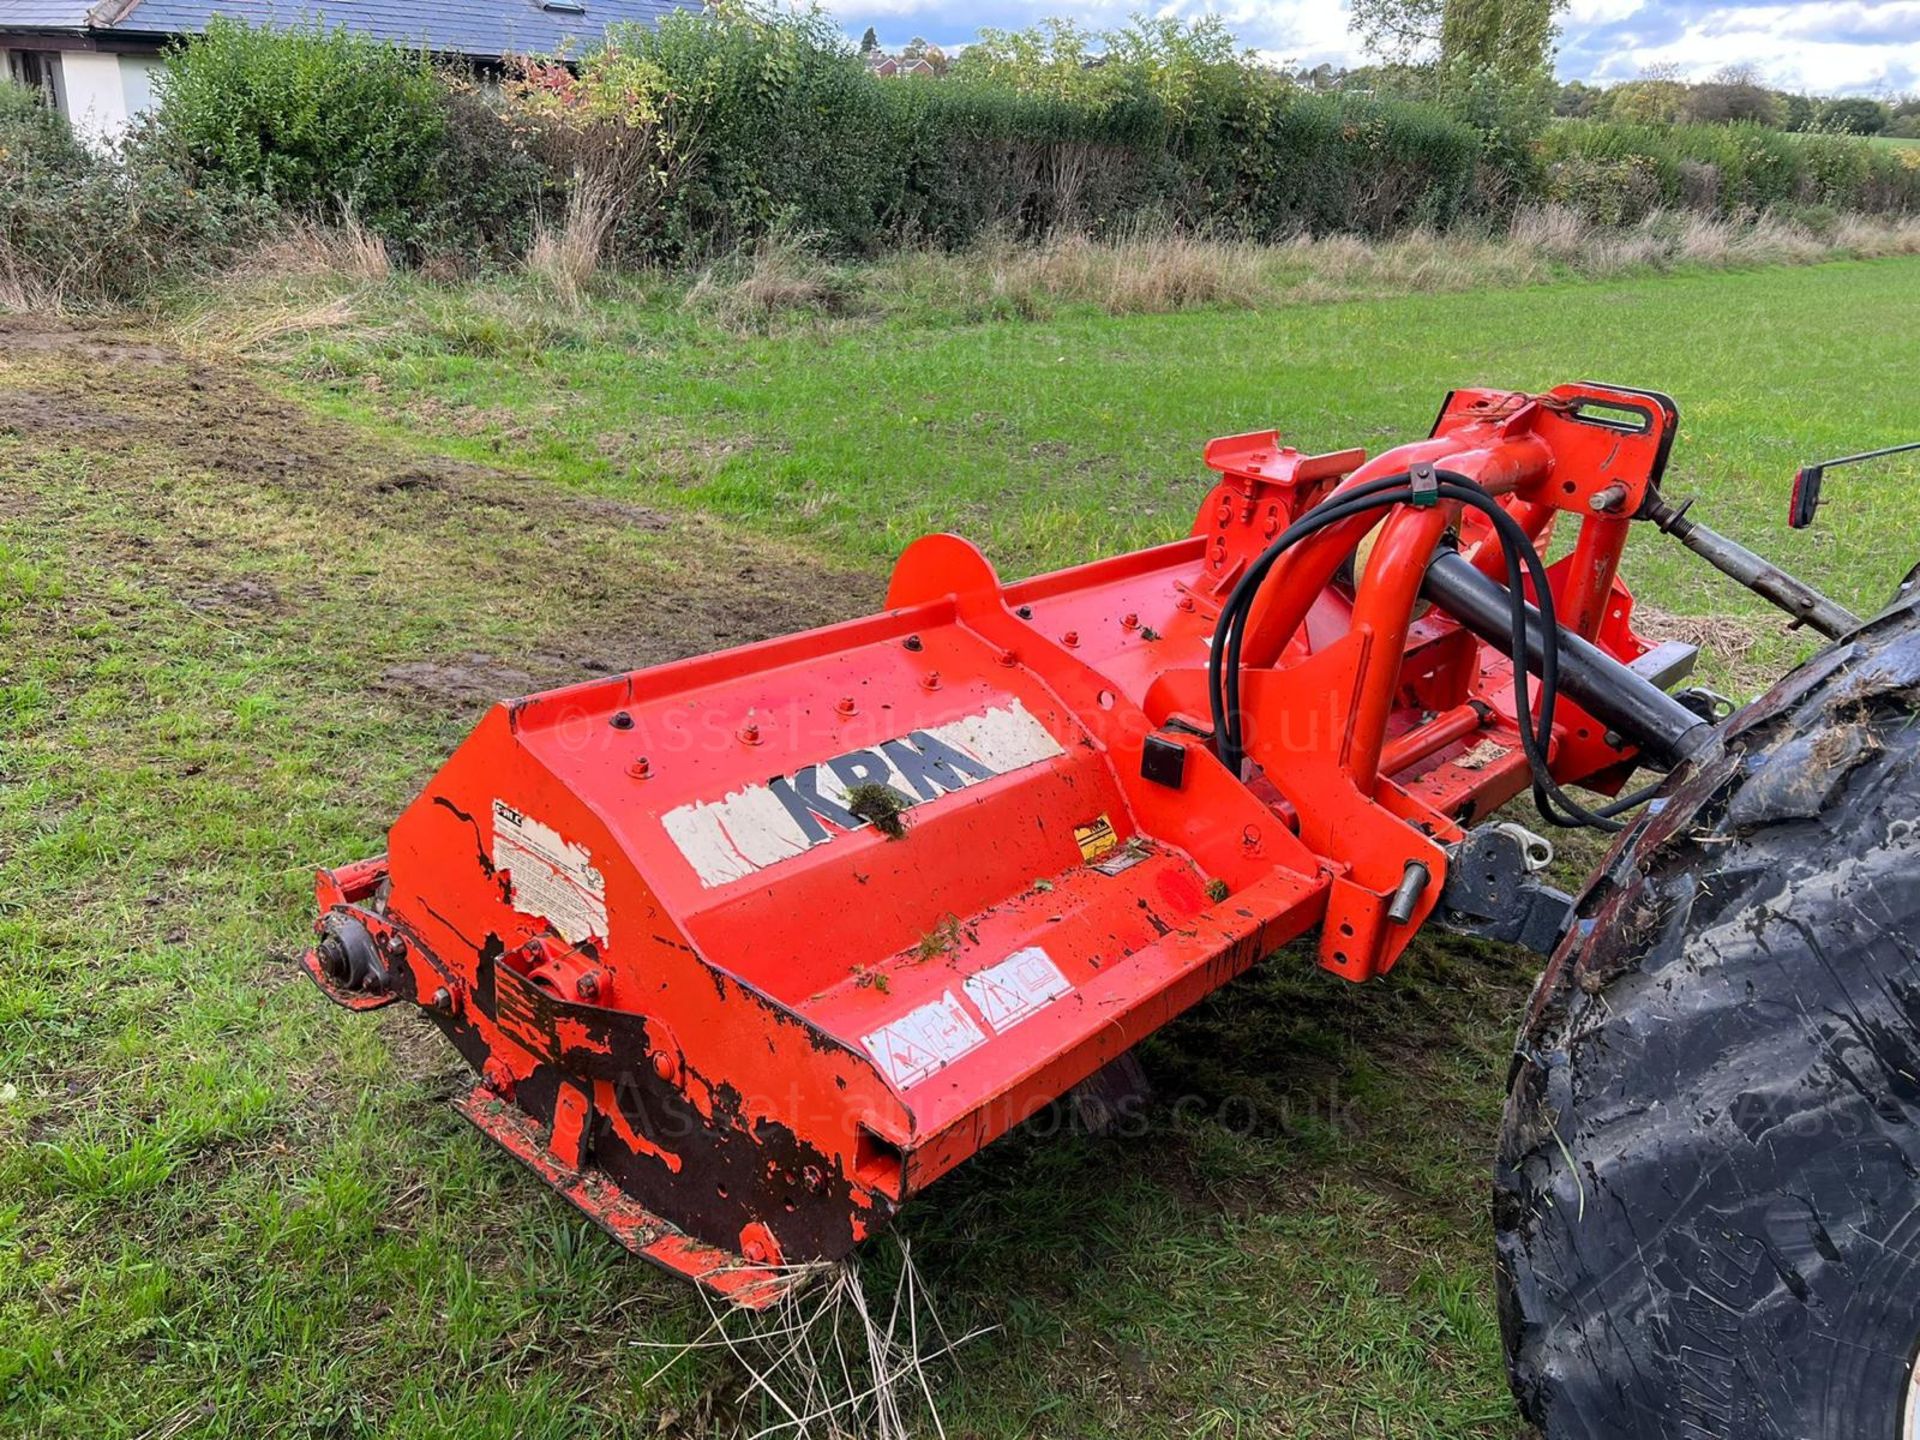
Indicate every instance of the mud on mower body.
{"type": "Point", "coordinates": [749, 949]}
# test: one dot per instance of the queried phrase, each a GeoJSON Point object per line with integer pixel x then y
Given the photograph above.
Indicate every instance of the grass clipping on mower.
{"type": "Point", "coordinates": [831, 1357]}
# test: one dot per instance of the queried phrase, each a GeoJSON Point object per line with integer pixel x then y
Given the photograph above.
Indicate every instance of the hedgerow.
{"type": "Point", "coordinates": [761, 120]}
{"type": "Point", "coordinates": [1620, 171]}
{"type": "Point", "coordinates": [720, 127]}
{"type": "Point", "coordinates": [79, 228]}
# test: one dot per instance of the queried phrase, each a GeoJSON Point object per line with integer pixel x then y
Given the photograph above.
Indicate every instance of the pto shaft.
{"type": "Point", "coordinates": [1663, 729]}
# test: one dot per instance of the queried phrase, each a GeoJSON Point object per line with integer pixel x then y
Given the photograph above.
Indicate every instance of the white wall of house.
{"type": "Point", "coordinates": [96, 96]}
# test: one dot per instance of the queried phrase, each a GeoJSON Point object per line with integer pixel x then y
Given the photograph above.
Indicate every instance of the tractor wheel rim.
{"type": "Point", "coordinates": [1910, 1430]}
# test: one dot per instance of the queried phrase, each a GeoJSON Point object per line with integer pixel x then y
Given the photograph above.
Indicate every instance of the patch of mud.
{"type": "Point", "coordinates": [39, 416]}
{"type": "Point", "coordinates": [237, 597]}
{"type": "Point", "coordinates": [637, 517]}
{"type": "Point", "coordinates": [431, 474]}
{"type": "Point", "coordinates": [629, 600]}
{"type": "Point", "coordinates": [36, 334]}
{"type": "Point", "coordinates": [466, 680]}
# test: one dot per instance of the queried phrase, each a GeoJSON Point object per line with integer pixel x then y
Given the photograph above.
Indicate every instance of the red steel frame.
{"type": "Point", "coordinates": [742, 1052]}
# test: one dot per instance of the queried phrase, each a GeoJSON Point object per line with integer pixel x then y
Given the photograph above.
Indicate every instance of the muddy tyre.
{"type": "Point", "coordinates": [1707, 1196]}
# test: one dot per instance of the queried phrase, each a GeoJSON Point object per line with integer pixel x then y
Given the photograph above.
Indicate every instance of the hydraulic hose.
{"type": "Point", "coordinates": [1523, 563]}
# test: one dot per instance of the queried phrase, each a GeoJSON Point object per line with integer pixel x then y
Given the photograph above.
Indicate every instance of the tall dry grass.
{"type": "Point", "coordinates": [781, 274]}
{"type": "Point", "coordinates": [567, 258]}
{"type": "Point", "coordinates": [312, 278]}
{"type": "Point", "coordinates": [305, 249]}
{"type": "Point", "coordinates": [23, 289]}
{"type": "Point", "coordinates": [1160, 272]}
{"type": "Point", "coordinates": [305, 280]}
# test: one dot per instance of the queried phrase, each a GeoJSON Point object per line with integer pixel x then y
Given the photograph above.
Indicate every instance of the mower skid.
{"type": "Point", "coordinates": [724, 1274]}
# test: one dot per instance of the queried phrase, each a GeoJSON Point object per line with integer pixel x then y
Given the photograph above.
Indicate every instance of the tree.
{"type": "Point", "coordinates": [1651, 101]}
{"type": "Point", "coordinates": [1576, 100]}
{"type": "Point", "coordinates": [1854, 115]}
{"type": "Point", "coordinates": [1734, 94]}
{"type": "Point", "coordinates": [1401, 32]}
{"type": "Point", "coordinates": [869, 42]}
{"type": "Point", "coordinates": [919, 48]}
{"type": "Point", "coordinates": [1513, 37]}
{"type": "Point", "coordinates": [1797, 112]}
{"type": "Point", "coordinates": [1516, 36]}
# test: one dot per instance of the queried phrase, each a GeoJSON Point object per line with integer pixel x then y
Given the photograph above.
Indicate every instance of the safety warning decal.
{"type": "Point", "coordinates": [1095, 838]}
{"type": "Point", "coordinates": [921, 1041]}
{"type": "Point", "coordinates": [745, 832]}
{"type": "Point", "coordinates": [1025, 982]}
{"type": "Point", "coordinates": [553, 879]}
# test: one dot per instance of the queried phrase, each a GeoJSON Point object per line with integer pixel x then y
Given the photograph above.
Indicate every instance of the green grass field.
{"type": "Point", "coordinates": [245, 609]}
{"type": "Point", "coordinates": [1080, 434]}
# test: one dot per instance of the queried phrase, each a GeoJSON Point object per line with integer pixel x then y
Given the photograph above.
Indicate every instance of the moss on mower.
{"type": "Point", "coordinates": [881, 806]}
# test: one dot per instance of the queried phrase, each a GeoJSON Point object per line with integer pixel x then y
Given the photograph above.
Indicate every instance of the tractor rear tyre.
{"type": "Point", "coordinates": [1707, 1197]}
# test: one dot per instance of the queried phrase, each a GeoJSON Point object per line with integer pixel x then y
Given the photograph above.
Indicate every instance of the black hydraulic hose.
{"type": "Point", "coordinates": [1523, 563]}
{"type": "Point", "coordinates": [1225, 657]}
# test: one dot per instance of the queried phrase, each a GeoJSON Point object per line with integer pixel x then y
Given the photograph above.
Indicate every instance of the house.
{"type": "Point", "coordinates": [95, 60]}
{"type": "Point", "coordinates": [887, 66]}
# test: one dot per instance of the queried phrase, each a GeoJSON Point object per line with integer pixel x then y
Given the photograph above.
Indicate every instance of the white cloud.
{"type": "Point", "coordinates": [1602, 12]}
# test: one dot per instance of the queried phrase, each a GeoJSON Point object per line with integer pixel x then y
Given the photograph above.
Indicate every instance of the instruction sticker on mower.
{"type": "Point", "coordinates": [921, 1041]}
{"type": "Point", "coordinates": [745, 832]}
{"type": "Point", "coordinates": [553, 879]}
{"type": "Point", "coordinates": [1023, 984]}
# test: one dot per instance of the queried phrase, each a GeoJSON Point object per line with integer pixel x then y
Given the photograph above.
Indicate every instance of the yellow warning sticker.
{"type": "Point", "coordinates": [1096, 838]}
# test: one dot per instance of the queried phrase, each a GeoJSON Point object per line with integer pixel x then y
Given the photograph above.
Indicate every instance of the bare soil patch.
{"type": "Point", "coordinates": [703, 586]}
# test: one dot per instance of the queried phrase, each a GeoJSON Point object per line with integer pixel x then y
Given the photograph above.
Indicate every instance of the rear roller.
{"type": "Point", "coordinates": [1707, 1198]}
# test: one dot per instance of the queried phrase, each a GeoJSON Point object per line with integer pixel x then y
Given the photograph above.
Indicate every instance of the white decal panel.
{"type": "Point", "coordinates": [1023, 984]}
{"type": "Point", "coordinates": [911, 1048]}
{"type": "Point", "coordinates": [750, 829]}
{"type": "Point", "coordinates": [553, 879]}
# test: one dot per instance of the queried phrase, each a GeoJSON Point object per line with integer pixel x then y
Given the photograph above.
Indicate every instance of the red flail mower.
{"type": "Point", "coordinates": [748, 950]}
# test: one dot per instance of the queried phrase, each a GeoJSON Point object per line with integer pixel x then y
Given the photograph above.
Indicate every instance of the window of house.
{"type": "Point", "coordinates": [39, 71]}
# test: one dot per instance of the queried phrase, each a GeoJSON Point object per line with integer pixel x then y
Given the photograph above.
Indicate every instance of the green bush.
{"type": "Point", "coordinates": [788, 129]}
{"type": "Point", "coordinates": [80, 229]}
{"type": "Point", "coordinates": [788, 126]}
{"type": "Point", "coordinates": [967, 158]}
{"type": "Point", "coordinates": [321, 122]}
{"type": "Point", "coordinates": [1612, 190]}
{"type": "Point", "coordinates": [487, 188]}
{"type": "Point", "coordinates": [35, 140]}
{"type": "Point", "coordinates": [1334, 163]}
{"type": "Point", "coordinates": [1723, 169]}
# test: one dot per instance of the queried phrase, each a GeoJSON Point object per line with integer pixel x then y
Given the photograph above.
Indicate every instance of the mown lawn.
{"type": "Point", "coordinates": [244, 611]}
{"type": "Point", "coordinates": [1079, 434]}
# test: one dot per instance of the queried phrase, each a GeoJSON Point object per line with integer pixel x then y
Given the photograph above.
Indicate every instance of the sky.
{"type": "Point", "coordinates": [1829, 47]}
